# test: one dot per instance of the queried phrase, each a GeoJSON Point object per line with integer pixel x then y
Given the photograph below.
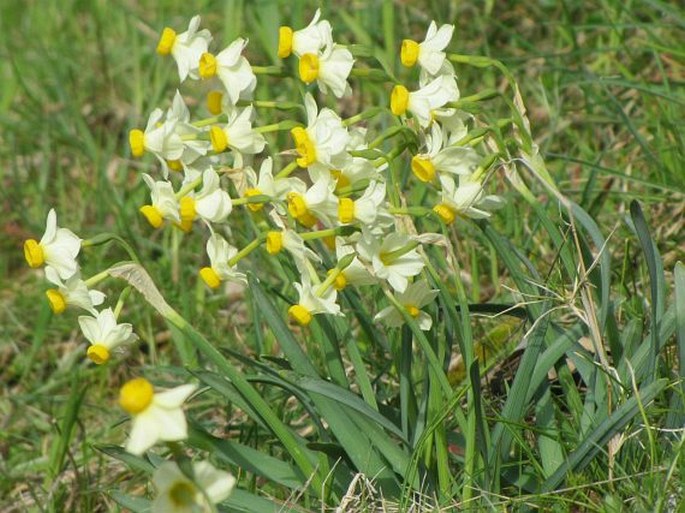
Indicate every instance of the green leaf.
{"type": "Point", "coordinates": [131, 461]}
{"type": "Point", "coordinates": [676, 415]}
{"type": "Point", "coordinates": [135, 504]}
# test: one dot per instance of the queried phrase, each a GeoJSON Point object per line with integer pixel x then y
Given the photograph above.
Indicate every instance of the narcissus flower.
{"type": "Point", "coordinates": [164, 203]}
{"type": "Point", "coordinates": [71, 292]}
{"type": "Point", "coordinates": [330, 69]}
{"type": "Point", "coordinates": [366, 208]}
{"type": "Point", "coordinates": [237, 134]}
{"type": "Point", "coordinates": [233, 70]}
{"type": "Point", "coordinates": [416, 296]}
{"type": "Point", "coordinates": [395, 259]}
{"type": "Point", "coordinates": [421, 102]}
{"type": "Point", "coordinates": [157, 416]}
{"type": "Point", "coordinates": [317, 203]}
{"type": "Point", "coordinates": [220, 252]}
{"type": "Point", "coordinates": [186, 47]}
{"type": "Point", "coordinates": [310, 39]}
{"type": "Point", "coordinates": [429, 54]}
{"type": "Point", "coordinates": [266, 184]}
{"type": "Point", "coordinates": [455, 160]}
{"type": "Point", "coordinates": [211, 203]}
{"type": "Point", "coordinates": [104, 334]}
{"type": "Point", "coordinates": [177, 493]}
{"type": "Point", "coordinates": [58, 248]}
{"type": "Point", "coordinates": [468, 199]}
{"type": "Point", "coordinates": [313, 301]}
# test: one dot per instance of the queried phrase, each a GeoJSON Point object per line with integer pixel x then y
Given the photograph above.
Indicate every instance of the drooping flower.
{"type": "Point", "coordinates": [266, 184]}
{"type": "Point", "coordinates": [317, 203]}
{"type": "Point", "coordinates": [422, 102]}
{"type": "Point", "coordinates": [164, 204]}
{"type": "Point", "coordinates": [176, 493]}
{"type": "Point", "coordinates": [467, 199]}
{"type": "Point", "coordinates": [220, 252]}
{"type": "Point", "coordinates": [365, 209]}
{"type": "Point", "coordinates": [58, 248]}
{"type": "Point", "coordinates": [237, 134]}
{"type": "Point", "coordinates": [186, 47]}
{"type": "Point", "coordinates": [105, 334]}
{"type": "Point", "coordinates": [416, 296]}
{"type": "Point", "coordinates": [157, 416]}
{"type": "Point", "coordinates": [310, 39]}
{"type": "Point", "coordinates": [429, 54]}
{"type": "Point", "coordinates": [233, 70]}
{"type": "Point", "coordinates": [211, 203]}
{"type": "Point", "coordinates": [71, 292]}
{"type": "Point", "coordinates": [438, 158]}
{"type": "Point", "coordinates": [312, 300]}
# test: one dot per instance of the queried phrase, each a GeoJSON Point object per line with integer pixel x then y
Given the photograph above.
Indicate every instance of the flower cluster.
{"type": "Point", "coordinates": [330, 204]}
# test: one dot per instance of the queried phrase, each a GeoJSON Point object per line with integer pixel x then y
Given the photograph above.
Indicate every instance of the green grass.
{"type": "Point", "coordinates": [603, 86]}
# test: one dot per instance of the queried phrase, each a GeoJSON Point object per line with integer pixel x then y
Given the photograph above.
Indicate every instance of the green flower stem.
{"type": "Point", "coordinates": [342, 264]}
{"type": "Point", "coordinates": [368, 114]}
{"type": "Point", "coordinates": [276, 71]}
{"type": "Point", "coordinates": [96, 278]}
{"type": "Point", "coordinates": [488, 94]}
{"type": "Point", "coordinates": [120, 302]}
{"type": "Point", "coordinates": [275, 127]}
{"type": "Point", "coordinates": [247, 250]}
{"type": "Point", "coordinates": [104, 238]}
{"type": "Point", "coordinates": [285, 172]}
{"type": "Point", "coordinates": [188, 187]}
{"type": "Point", "coordinates": [209, 121]}
{"type": "Point", "coordinates": [410, 211]}
{"type": "Point", "coordinates": [260, 198]}
{"type": "Point", "coordinates": [389, 257]}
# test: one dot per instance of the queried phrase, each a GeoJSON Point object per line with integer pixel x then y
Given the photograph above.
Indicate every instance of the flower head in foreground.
{"type": "Point", "coordinates": [71, 292]}
{"type": "Point", "coordinates": [330, 69]}
{"type": "Point", "coordinates": [186, 47]}
{"type": "Point", "coordinates": [233, 70]}
{"type": "Point", "coordinates": [310, 39]}
{"type": "Point", "coordinates": [429, 54]}
{"type": "Point", "coordinates": [438, 158]}
{"type": "Point", "coordinates": [468, 199]}
{"type": "Point", "coordinates": [164, 203]}
{"type": "Point", "coordinates": [220, 253]}
{"type": "Point", "coordinates": [312, 301]}
{"type": "Point", "coordinates": [416, 296]}
{"type": "Point", "coordinates": [395, 259]}
{"type": "Point", "coordinates": [176, 493]}
{"type": "Point", "coordinates": [157, 416]}
{"type": "Point", "coordinates": [422, 102]}
{"type": "Point", "coordinates": [104, 334]}
{"type": "Point", "coordinates": [58, 248]}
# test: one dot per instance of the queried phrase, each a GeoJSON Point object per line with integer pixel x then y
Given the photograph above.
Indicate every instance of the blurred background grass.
{"type": "Point", "coordinates": [602, 80]}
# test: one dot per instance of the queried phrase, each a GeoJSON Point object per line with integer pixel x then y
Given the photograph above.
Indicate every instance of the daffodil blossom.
{"type": "Point", "coordinates": [330, 69]}
{"type": "Point", "coordinates": [157, 416]}
{"type": "Point", "coordinates": [176, 493]}
{"type": "Point", "coordinates": [453, 123]}
{"type": "Point", "coordinates": [394, 260]}
{"type": "Point", "coordinates": [416, 296]}
{"type": "Point", "coordinates": [422, 102]}
{"type": "Point", "coordinates": [186, 47]}
{"type": "Point", "coordinates": [233, 70]}
{"type": "Point", "coordinates": [310, 39]}
{"type": "Point", "coordinates": [58, 248]}
{"type": "Point", "coordinates": [322, 145]}
{"type": "Point", "coordinates": [211, 203]}
{"type": "Point", "coordinates": [356, 273]}
{"type": "Point", "coordinates": [164, 203]}
{"type": "Point", "coordinates": [237, 134]}
{"type": "Point", "coordinates": [467, 199]}
{"type": "Point", "coordinates": [429, 54]}
{"type": "Point", "coordinates": [312, 301]}
{"type": "Point", "coordinates": [366, 208]}
{"type": "Point", "coordinates": [285, 238]}
{"type": "Point", "coordinates": [265, 184]}
{"type": "Point", "coordinates": [105, 334]}
{"type": "Point", "coordinates": [317, 203]}
{"type": "Point", "coordinates": [220, 252]}
{"type": "Point", "coordinates": [71, 292]}
{"type": "Point", "coordinates": [439, 159]}
{"type": "Point", "coordinates": [193, 148]}
{"type": "Point", "coordinates": [159, 138]}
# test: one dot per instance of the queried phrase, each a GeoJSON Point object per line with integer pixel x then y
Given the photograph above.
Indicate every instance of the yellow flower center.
{"type": "Point", "coordinates": [207, 65]}
{"type": "Point", "coordinates": [166, 41]}
{"type": "Point", "coordinates": [255, 207]}
{"type": "Point", "coordinates": [285, 42]}
{"type": "Point", "coordinates": [182, 494]}
{"type": "Point", "coordinates": [136, 395]}
{"type": "Point", "coordinates": [33, 252]}
{"type": "Point", "coordinates": [56, 300]}
{"type": "Point", "coordinates": [330, 242]}
{"type": "Point", "coordinates": [340, 281]}
{"type": "Point", "coordinates": [210, 277]}
{"type": "Point", "coordinates": [304, 145]}
{"type": "Point", "coordinates": [274, 242]}
{"type": "Point", "coordinates": [346, 210]}
{"type": "Point", "coordinates": [341, 179]}
{"type": "Point", "coordinates": [219, 139]}
{"type": "Point", "coordinates": [297, 208]}
{"type": "Point", "coordinates": [175, 165]}
{"type": "Point", "coordinates": [412, 310]}
{"type": "Point", "coordinates": [98, 353]}
{"type": "Point", "coordinates": [309, 67]}
{"type": "Point", "coordinates": [423, 168]}
{"type": "Point", "coordinates": [136, 140]}
{"type": "Point", "coordinates": [187, 208]}
{"type": "Point", "coordinates": [153, 215]}
{"type": "Point", "coordinates": [399, 100]}
{"type": "Point", "coordinates": [300, 315]}
{"type": "Point", "coordinates": [445, 212]}
{"type": "Point", "coordinates": [214, 100]}
{"type": "Point", "coordinates": [409, 53]}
